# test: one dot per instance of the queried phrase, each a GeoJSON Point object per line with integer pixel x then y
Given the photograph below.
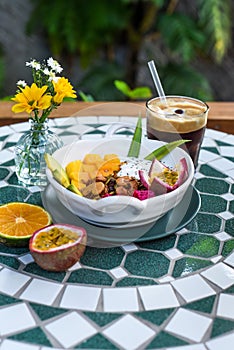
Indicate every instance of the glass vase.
{"type": "Point", "coordinates": [30, 150]}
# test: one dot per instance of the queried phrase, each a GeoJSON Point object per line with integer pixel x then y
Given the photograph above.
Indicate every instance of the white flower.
{"type": "Point", "coordinates": [54, 65]}
{"type": "Point", "coordinates": [55, 79]}
{"type": "Point", "coordinates": [46, 71]}
{"type": "Point", "coordinates": [34, 64]}
{"type": "Point", "coordinates": [21, 83]}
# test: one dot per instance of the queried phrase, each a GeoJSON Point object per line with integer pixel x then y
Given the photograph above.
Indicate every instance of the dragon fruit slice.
{"type": "Point", "coordinates": [164, 179]}
{"type": "Point", "coordinates": [143, 194]}
{"type": "Point", "coordinates": [144, 178]}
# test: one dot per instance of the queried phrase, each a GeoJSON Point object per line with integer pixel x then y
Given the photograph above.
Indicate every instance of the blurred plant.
{"type": "Point", "coordinates": [142, 92]}
{"type": "Point", "coordinates": [112, 36]}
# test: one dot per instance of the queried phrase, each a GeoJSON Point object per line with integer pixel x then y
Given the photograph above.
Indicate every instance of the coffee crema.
{"type": "Point", "coordinates": [176, 115]}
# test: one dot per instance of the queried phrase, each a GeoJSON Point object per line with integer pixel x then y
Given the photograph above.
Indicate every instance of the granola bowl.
{"type": "Point", "coordinates": [119, 210]}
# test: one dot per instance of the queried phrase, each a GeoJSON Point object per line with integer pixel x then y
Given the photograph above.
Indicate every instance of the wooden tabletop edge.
{"type": "Point", "coordinates": [220, 117]}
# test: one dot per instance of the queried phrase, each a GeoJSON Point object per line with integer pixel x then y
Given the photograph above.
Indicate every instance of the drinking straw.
{"type": "Point", "coordinates": [157, 81]}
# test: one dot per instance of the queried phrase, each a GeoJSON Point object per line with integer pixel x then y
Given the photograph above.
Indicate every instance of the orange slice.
{"type": "Point", "coordinates": [18, 221]}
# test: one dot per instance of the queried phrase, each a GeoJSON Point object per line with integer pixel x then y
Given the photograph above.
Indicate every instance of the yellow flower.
{"type": "Point", "coordinates": [63, 89]}
{"type": "Point", "coordinates": [31, 98]}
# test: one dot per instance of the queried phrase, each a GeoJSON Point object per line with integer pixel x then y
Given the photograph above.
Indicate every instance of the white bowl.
{"type": "Point", "coordinates": [114, 211]}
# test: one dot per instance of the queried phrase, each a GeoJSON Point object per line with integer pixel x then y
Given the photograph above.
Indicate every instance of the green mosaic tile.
{"type": "Point", "coordinates": [9, 163]}
{"type": "Point", "coordinates": [16, 194]}
{"type": "Point", "coordinates": [88, 276]}
{"type": "Point", "coordinates": [62, 126]}
{"type": "Point", "coordinates": [124, 132]}
{"type": "Point", "coordinates": [5, 300]}
{"type": "Point", "coordinates": [203, 305]}
{"type": "Point", "coordinates": [228, 247]}
{"type": "Point", "coordinates": [95, 132]}
{"type": "Point", "coordinates": [231, 207]}
{"type": "Point", "coordinates": [221, 326]}
{"type": "Point", "coordinates": [34, 336]}
{"type": "Point", "coordinates": [66, 133]}
{"type": "Point", "coordinates": [102, 319]}
{"type": "Point", "coordinates": [35, 198]}
{"type": "Point", "coordinates": [34, 269]}
{"type": "Point", "coordinates": [230, 158]}
{"type": "Point", "coordinates": [9, 144]}
{"type": "Point", "coordinates": [230, 290]}
{"type": "Point", "coordinates": [185, 266]}
{"type": "Point", "coordinates": [133, 281]}
{"type": "Point", "coordinates": [46, 312]}
{"type": "Point", "coordinates": [214, 186]}
{"type": "Point", "coordinates": [229, 226]}
{"type": "Point", "coordinates": [206, 223]}
{"type": "Point", "coordinates": [9, 261]}
{"type": "Point", "coordinates": [2, 138]}
{"type": "Point", "coordinates": [95, 125]}
{"type": "Point", "coordinates": [221, 143]}
{"type": "Point", "coordinates": [102, 258]}
{"type": "Point", "coordinates": [12, 250]}
{"type": "Point", "coordinates": [209, 171]}
{"type": "Point", "coordinates": [159, 244]}
{"type": "Point", "coordinates": [198, 245]}
{"type": "Point", "coordinates": [211, 149]}
{"type": "Point", "coordinates": [163, 340]}
{"type": "Point", "coordinates": [13, 180]}
{"type": "Point", "coordinates": [98, 341]}
{"type": "Point", "coordinates": [157, 316]}
{"type": "Point", "coordinates": [212, 204]}
{"type": "Point", "coordinates": [147, 263]}
{"type": "Point", "coordinates": [3, 173]}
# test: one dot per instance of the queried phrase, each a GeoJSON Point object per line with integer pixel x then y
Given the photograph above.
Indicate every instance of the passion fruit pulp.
{"type": "Point", "coordinates": [58, 247]}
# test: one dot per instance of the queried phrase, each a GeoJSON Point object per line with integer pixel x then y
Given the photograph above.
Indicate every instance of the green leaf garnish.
{"type": "Point", "coordinates": [135, 146]}
{"type": "Point", "coordinates": [162, 151]}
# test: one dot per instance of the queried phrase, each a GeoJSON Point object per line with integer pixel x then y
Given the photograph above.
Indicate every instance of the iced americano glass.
{"type": "Point", "coordinates": [178, 117]}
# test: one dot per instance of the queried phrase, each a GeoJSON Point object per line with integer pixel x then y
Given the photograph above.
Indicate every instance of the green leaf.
{"type": "Point", "coordinates": [162, 151]}
{"type": "Point", "coordinates": [140, 93]}
{"type": "Point", "coordinates": [216, 22]}
{"type": "Point", "coordinates": [122, 86]}
{"type": "Point", "coordinates": [85, 97]}
{"type": "Point", "coordinates": [135, 146]}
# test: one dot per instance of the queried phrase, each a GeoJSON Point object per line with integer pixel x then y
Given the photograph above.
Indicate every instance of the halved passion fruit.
{"type": "Point", "coordinates": [164, 180]}
{"type": "Point", "coordinates": [58, 247]}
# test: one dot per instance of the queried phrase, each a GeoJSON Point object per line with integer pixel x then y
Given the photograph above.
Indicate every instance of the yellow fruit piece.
{"type": "Point", "coordinates": [73, 168]}
{"type": "Point", "coordinates": [20, 220]}
{"type": "Point", "coordinates": [109, 167]}
{"type": "Point", "coordinates": [83, 179]}
{"type": "Point", "coordinates": [90, 169]}
{"type": "Point", "coordinates": [91, 158]}
{"type": "Point", "coordinates": [111, 156]}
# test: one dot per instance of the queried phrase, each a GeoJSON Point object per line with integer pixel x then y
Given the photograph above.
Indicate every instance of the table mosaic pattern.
{"type": "Point", "coordinates": [176, 292]}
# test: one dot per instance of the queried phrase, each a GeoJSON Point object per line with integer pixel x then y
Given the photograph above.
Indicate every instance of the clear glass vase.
{"type": "Point", "coordinates": [30, 150]}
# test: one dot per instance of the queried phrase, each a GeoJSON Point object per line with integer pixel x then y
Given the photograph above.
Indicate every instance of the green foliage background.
{"type": "Point", "coordinates": [108, 37]}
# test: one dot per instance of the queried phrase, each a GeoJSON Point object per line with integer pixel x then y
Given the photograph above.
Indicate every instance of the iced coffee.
{"type": "Point", "coordinates": [175, 118]}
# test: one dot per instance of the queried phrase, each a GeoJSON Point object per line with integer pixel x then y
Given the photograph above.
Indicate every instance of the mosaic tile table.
{"type": "Point", "coordinates": [176, 292]}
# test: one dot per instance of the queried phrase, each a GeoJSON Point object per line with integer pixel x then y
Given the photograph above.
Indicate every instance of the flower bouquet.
{"type": "Point", "coordinates": [46, 93]}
